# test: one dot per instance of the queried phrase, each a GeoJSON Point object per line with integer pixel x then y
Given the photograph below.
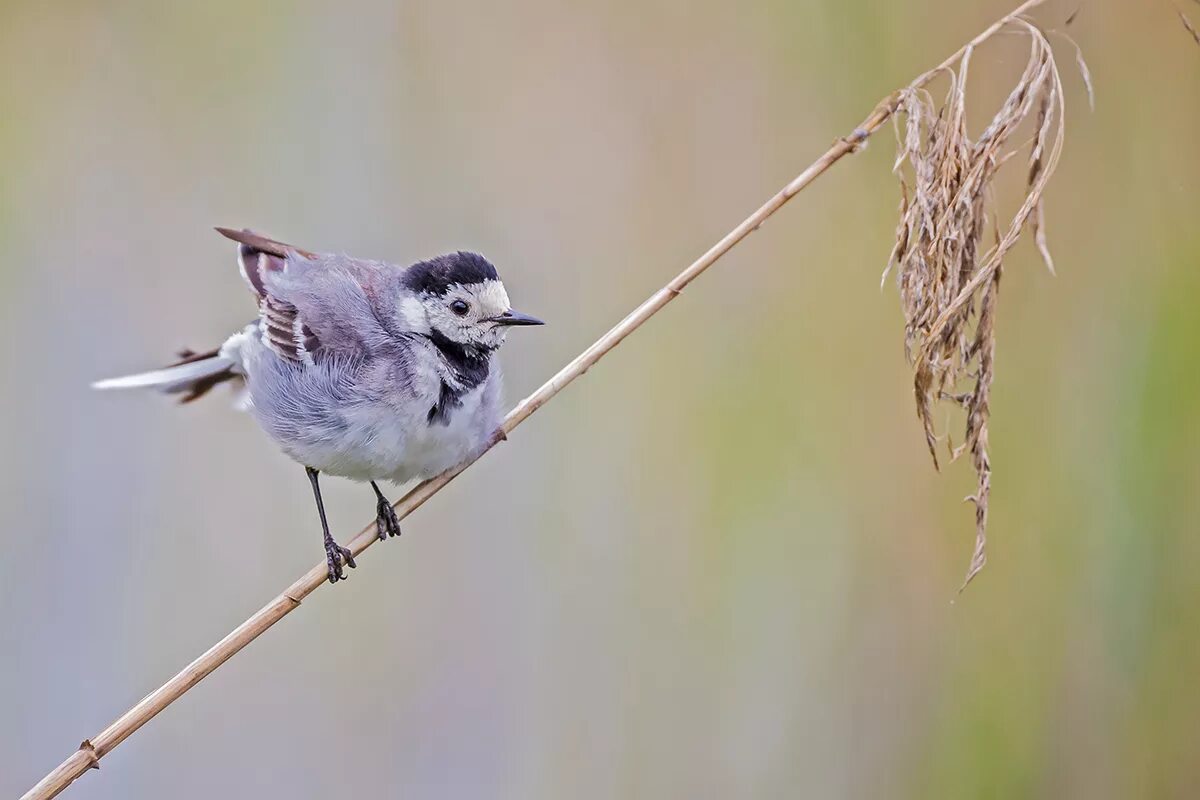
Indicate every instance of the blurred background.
{"type": "Point", "coordinates": [721, 564]}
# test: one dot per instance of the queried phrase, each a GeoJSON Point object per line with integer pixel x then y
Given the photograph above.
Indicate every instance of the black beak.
{"type": "Point", "coordinates": [511, 317]}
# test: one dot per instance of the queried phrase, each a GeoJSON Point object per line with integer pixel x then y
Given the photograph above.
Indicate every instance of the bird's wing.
{"type": "Point", "coordinates": [284, 330]}
{"type": "Point", "coordinates": [261, 243]}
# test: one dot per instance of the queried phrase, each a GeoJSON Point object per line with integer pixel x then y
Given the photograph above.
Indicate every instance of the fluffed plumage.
{"type": "Point", "coordinates": [357, 368]}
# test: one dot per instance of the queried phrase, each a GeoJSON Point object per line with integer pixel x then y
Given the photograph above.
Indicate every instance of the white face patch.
{"type": "Point", "coordinates": [483, 301]}
{"type": "Point", "coordinates": [412, 315]}
{"type": "Point", "coordinates": [492, 297]}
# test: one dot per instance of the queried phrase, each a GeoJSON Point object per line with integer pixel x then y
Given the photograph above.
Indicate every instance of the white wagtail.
{"type": "Point", "coordinates": [358, 368]}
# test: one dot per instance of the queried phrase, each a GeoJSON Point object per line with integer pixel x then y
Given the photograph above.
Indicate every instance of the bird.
{"type": "Point", "coordinates": [359, 369]}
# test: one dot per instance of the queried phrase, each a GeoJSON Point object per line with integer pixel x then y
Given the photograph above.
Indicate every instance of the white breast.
{"type": "Point", "coordinates": [322, 419]}
{"type": "Point", "coordinates": [434, 448]}
{"type": "Point", "coordinates": [379, 444]}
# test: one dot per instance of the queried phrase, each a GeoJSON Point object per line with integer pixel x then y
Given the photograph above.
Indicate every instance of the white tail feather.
{"type": "Point", "coordinates": [169, 379]}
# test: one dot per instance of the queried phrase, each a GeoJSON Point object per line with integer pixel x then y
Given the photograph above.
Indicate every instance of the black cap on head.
{"type": "Point", "coordinates": [436, 274]}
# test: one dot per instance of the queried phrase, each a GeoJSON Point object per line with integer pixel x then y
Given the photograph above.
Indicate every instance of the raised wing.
{"type": "Point", "coordinates": [263, 244]}
{"type": "Point", "coordinates": [283, 329]}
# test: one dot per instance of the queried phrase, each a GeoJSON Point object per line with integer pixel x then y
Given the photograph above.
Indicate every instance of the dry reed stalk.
{"type": "Point", "coordinates": [92, 750]}
{"type": "Point", "coordinates": [1187, 23]}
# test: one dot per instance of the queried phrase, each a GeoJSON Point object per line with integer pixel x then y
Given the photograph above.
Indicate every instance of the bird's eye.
{"type": "Point", "coordinates": [460, 307]}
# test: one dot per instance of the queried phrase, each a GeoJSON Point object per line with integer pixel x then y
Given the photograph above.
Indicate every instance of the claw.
{"type": "Point", "coordinates": [386, 522]}
{"type": "Point", "coordinates": [335, 556]}
{"type": "Point", "coordinates": [335, 568]}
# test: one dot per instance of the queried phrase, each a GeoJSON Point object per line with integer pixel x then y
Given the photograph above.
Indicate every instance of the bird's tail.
{"type": "Point", "coordinates": [192, 376]}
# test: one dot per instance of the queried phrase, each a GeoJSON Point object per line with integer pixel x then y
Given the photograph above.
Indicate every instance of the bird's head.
{"type": "Point", "coordinates": [460, 297]}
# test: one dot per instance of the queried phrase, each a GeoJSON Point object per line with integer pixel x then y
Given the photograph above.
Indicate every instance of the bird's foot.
{"type": "Point", "coordinates": [386, 521]}
{"type": "Point", "coordinates": [335, 556]}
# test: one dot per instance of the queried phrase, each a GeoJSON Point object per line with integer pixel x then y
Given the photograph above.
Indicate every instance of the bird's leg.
{"type": "Point", "coordinates": [385, 516]}
{"type": "Point", "coordinates": [335, 554]}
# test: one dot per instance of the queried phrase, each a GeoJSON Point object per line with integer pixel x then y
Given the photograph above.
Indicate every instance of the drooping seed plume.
{"type": "Point", "coordinates": [950, 250]}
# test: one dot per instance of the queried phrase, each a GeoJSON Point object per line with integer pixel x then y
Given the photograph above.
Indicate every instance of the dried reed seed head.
{"type": "Point", "coordinates": [948, 280]}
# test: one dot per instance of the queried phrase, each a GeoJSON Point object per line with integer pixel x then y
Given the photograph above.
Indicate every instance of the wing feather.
{"type": "Point", "coordinates": [283, 330]}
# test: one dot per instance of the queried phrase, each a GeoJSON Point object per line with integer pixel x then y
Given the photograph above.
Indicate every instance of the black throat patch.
{"type": "Point", "coordinates": [469, 365]}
